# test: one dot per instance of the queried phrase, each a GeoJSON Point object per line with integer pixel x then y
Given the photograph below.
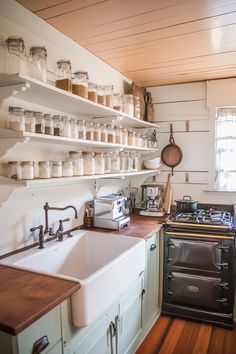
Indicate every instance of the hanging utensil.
{"type": "Point", "coordinates": [171, 155]}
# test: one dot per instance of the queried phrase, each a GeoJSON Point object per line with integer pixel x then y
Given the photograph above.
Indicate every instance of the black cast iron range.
{"type": "Point", "coordinates": [199, 265]}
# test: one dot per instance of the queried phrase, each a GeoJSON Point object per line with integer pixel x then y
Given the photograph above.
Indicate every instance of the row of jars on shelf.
{"type": "Point", "coordinates": [34, 64]}
{"type": "Point", "coordinates": [20, 119]}
{"type": "Point", "coordinates": [77, 164]}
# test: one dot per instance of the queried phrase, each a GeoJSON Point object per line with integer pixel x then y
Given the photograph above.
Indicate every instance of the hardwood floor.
{"type": "Point", "coordinates": [176, 336]}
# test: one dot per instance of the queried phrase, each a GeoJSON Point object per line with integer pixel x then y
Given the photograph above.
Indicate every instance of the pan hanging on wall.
{"type": "Point", "coordinates": [171, 154]}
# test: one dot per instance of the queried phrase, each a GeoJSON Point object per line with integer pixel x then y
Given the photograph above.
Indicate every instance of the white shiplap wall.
{"type": "Point", "coordinates": [185, 106]}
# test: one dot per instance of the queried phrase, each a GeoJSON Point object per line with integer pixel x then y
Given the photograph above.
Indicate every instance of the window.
{"type": "Point", "coordinates": [225, 152]}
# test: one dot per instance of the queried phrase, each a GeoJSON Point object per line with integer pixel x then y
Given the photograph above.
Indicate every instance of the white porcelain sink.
{"type": "Point", "coordinates": [104, 264]}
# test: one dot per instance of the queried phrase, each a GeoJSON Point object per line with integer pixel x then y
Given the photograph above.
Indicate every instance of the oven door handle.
{"type": "Point", "coordinates": [224, 285]}
{"type": "Point", "coordinates": [223, 265]}
{"type": "Point", "coordinates": [223, 301]}
{"type": "Point", "coordinates": [223, 248]}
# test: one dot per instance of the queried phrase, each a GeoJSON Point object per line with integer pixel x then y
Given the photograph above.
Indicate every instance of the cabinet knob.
{"type": "Point", "coordinates": [153, 247]}
{"type": "Point", "coordinates": [40, 345]}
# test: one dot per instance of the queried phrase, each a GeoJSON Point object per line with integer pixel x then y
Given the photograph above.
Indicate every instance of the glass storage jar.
{"type": "Point", "coordinates": [136, 106]}
{"type": "Point", "coordinates": [89, 164]}
{"type": "Point", "coordinates": [111, 133]}
{"type": "Point", "coordinates": [123, 161]}
{"type": "Point", "coordinates": [134, 160]}
{"type": "Point", "coordinates": [16, 118]}
{"type": "Point", "coordinates": [99, 164]}
{"type": "Point", "coordinates": [117, 102]}
{"type": "Point", "coordinates": [14, 170]}
{"type": "Point", "coordinates": [48, 124]}
{"type": "Point", "coordinates": [67, 168]}
{"type": "Point", "coordinates": [38, 61]}
{"type": "Point", "coordinates": [39, 123]}
{"type": "Point", "coordinates": [64, 75]}
{"type": "Point", "coordinates": [101, 95]}
{"type": "Point", "coordinates": [27, 170]}
{"type": "Point", "coordinates": [107, 158]}
{"type": "Point", "coordinates": [129, 162]}
{"type": "Point", "coordinates": [115, 162]}
{"type": "Point", "coordinates": [104, 133]}
{"type": "Point", "coordinates": [92, 92]}
{"type": "Point", "coordinates": [131, 138]}
{"type": "Point", "coordinates": [57, 125]}
{"type": "Point", "coordinates": [78, 162]}
{"type": "Point", "coordinates": [80, 84]}
{"type": "Point", "coordinates": [138, 140]}
{"type": "Point", "coordinates": [66, 126]}
{"type": "Point", "coordinates": [44, 169]}
{"type": "Point", "coordinates": [82, 129]}
{"type": "Point", "coordinates": [15, 60]}
{"type": "Point", "coordinates": [108, 93]}
{"type": "Point", "coordinates": [74, 128]}
{"type": "Point", "coordinates": [119, 135]}
{"type": "Point", "coordinates": [97, 132]}
{"type": "Point", "coordinates": [89, 131]}
{"type": "Point", "coordinates": [29, 121]}
{"type": "Point", "coordinates": [56, 169]}
{"type": "Point", "coordinates": [128, 104]}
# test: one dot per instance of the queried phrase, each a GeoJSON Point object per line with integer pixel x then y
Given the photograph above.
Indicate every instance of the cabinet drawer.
{"type": "Point", "coordinates": [48, 325]}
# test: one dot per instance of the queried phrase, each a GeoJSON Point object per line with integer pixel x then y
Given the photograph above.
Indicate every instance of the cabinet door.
{"type": "Point", "coordinates": [152, 276]}
{"type": "Point", "coordinates": [130, 319]}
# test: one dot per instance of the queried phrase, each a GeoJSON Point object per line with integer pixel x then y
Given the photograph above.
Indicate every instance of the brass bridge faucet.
{"type": "Point", "coordinates": [47, 208]}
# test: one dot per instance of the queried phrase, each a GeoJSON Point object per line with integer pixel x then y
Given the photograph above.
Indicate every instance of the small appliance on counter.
{"type": "Point", "coordinates": [152, 200]}
{"type": "Point", "coordinates": [109, 212]}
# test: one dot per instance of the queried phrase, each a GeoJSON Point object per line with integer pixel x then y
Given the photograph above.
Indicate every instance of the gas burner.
{"type": "Point", "coordinates": [206, 217]}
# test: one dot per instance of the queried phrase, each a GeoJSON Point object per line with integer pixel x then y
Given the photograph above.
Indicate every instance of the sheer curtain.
{"type": "Point", "coordinates": [225, 162]}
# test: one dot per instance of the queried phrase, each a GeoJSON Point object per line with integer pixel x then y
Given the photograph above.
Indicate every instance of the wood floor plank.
{"type": "Point", "coordinates": [153, 340]}
{"type": "Point", "coordinates": [202, 340]}
{"type": "Point", "coordinates": [222, 341]}
{"type": "Point", "coordinates": [170, 344]}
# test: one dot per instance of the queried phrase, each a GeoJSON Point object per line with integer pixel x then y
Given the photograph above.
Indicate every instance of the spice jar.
{"type": "Point", "coordinates": [78, 162]}
{"type": "Point", "coordinates": [89, 164]}
{"type": "Point", "coordinates": [119, 135]}
{"type": "Point", "coordinates": [125, 136]}
{"type": "Point", "coordinates": [101, 95]}
{"type": "Point", "coordinates": [89, 131]}
{"type": "Point", "coordinates": [38, 56]}
{"type": "Point", "coordinates": [67, 168]}
{"type": "Point", "coordinates": [104, 133]}
{"type": "Point", "coordinates": [123, 161]}
{"type": "Point", "coordinates": [138, 140]}
{"type": "Point", "coordinates": [131, 138]}
{"type": "Point", "coordinates": [107, 158]}
{"type": "Point", "coordinates": [39, 123]}
{"type": "Point", "coordinates": [111, 133]}
{"type": "Point", "coordinates": [44, 169]}
{"type": "Point", "coordinates": [74, 128]}
{"type": "Point", "coordinates": [99, 164]}
{"type": "Point", "coordinates": [64, 75]}
{"type": "Point", "coordinates": [115, 162]}
{"type": "Point", "coordinates": [29, 121]}
{"type": "Point", "coordinates": [97, 132]}
{"type": "Point", "coordinates": [56, 169]}
{"type": "Point", "coordinates": [117, 101]}
{"type": "Point", "coordinates": [57, 125]}
{"type": "Point", "coordinates": [14, 170]}
{"type": "Point", "coordinates": [80, 84]}
{"type": "Point", "coordinates": [92, 92]}
{"type": "Point", "coordinates": [136, 106]}
{"type": "Point", "coordinates": [66, 126]}
{"type": "Point", "coordinates": [48, 124]}
{"type": "Point", "coordinates": [15, 60]}
{"type": "Point", "coordinates": [82, 129]}
{"type": "Point", "coordinates": [128, 104]}
{"type": "Point", "coordinates": [16, 119]}
{"type": "Point", "coordinates": [108, 93]}
{"type": "Point", "coordinates": [27, 170]}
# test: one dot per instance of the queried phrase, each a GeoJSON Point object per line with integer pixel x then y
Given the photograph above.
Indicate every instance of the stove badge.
{"type": "Point", "coordinates": [192, 289]}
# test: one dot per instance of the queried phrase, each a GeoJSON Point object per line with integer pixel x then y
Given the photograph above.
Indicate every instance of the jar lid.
{"type": "Point", "coordinates": [42, 51]}
{"type": "Point", "coordinates": [81, 73]}
{"type": "Point", "coordinates": [63, 62]}
{"type": "Point", "coordinates": [56, 116]}
{"type": "Point", "coordinates": [65, 118]}
{"type": "Point", "coordinates": [16, 109]}
{"type": "Point", "coordinates": [58, 163]}
{"type": "Point", "coordinates": [39, 114]}
{"type": "Point", "coordinates": [13, 162]}
{"type": "Point", "coordinates": [27, 162]}
{"type": "Point", "coordinates": [75, 152]}
{"type": "Point", "coordinates": [47, 116]}
{"type": "Point", "coordinates": [29, 113]}
{"type": "Point", "coordinates": [44, 162]}
{"type": "Point", "coordinates": [15, 41]}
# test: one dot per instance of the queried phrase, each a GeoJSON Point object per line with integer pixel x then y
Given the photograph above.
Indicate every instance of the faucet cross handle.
{"type": "Point", "coordinates": [59, 232]}
{"type": "Point", "coordinates": [41, 240]}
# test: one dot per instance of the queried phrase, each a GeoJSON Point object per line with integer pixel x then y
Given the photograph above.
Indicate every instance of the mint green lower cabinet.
{"type": "Point", "coordinates": [116, 332]}
{"type": "Point", "coordinates": [48, 325]}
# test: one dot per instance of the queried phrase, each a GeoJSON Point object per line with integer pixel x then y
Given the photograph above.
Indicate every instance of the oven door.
{"type": "Point", "coordinates": [195, 290]}
{"type": "Point", "coordinates": [195, 254]}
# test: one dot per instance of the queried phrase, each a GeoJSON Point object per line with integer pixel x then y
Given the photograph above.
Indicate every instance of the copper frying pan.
{"type": "Point", "coordinates": [171, 155]}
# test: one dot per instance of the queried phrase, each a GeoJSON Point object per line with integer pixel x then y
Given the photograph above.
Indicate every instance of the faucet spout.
{"type": "Point", "coordinates": [46, 208]}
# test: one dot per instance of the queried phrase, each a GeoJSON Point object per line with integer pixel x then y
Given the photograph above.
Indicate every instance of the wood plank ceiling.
{"type": "Point", "coordinates": [152, 42]}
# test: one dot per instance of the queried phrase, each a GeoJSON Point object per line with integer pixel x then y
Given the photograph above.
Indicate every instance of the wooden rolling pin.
{"type": "Point", "coordinates": [167, 195]}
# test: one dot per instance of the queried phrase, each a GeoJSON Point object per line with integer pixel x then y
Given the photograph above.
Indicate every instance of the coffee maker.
{"type": "Point", "coordinates": [152, 200]}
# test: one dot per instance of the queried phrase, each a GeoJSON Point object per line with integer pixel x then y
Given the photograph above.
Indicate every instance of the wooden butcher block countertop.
{"type": "Point", "coordinates": [25, 296]}
{"type": "Point", "coordinates": [140, 226]}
